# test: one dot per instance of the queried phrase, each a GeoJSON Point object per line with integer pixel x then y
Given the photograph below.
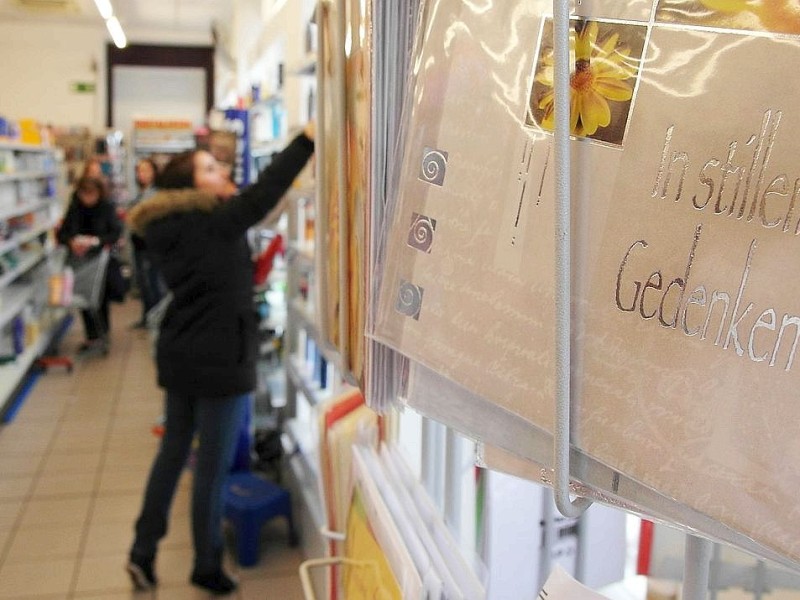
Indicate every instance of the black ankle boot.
{"type": "Point", "coordinates": [141, 573]}
{"type": "Point", "coordinates": [216, 582]}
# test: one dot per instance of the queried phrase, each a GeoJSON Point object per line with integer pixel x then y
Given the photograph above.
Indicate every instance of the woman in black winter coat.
{"type": "Point", "coordinates": [207, 344]}
{"type": "Point", "coordinates": [90, 223]}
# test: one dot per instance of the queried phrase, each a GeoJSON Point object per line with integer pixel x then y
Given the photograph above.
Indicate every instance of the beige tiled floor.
{"type": "Point", "coordinates": [72, 469]}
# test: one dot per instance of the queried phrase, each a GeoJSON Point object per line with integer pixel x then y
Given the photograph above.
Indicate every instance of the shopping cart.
{"type": "Point", "coordinates": [78, 283]}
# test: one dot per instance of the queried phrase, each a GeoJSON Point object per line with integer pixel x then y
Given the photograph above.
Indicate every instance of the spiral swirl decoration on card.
{"type": "Point", "coordinates": [434, 166]}
{"type": "Point", "coordinates": [420, 236]}
{"type": "Point", "coordinates": [409, 299]}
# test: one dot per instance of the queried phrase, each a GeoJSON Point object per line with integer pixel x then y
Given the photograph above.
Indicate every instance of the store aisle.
{"type": "Point", "coordinates": [72, 469]}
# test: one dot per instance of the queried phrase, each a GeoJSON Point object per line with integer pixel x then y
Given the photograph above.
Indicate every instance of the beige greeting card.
{"type": "Point", "coordinates": [467, 286]}
{"type": "Point", "coordinates": [694, 311]}
{"type": "Point", "coordinates": [331, 148]}
{"type": "Point", "coordinates": [359, 155]}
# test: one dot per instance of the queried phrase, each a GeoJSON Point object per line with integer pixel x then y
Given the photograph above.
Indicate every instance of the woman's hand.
{"type": "Point", "coordinates": [81, 244]}
{"type": "Point", "coordinates": [309, 130]}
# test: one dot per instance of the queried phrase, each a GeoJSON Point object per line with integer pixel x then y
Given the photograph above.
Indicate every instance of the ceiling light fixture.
{"type": "Point", "coordinates": [117, 35]}
{"type": "Point", "coordinates": [104, 8]}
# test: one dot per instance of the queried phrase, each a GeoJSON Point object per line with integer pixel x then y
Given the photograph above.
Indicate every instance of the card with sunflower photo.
{"type": "Point", "coordinates": [605, 60]}
{"type": "Point", "coordinates": [630, 10]}
{"type": "Point", "coordinates": [775, 16]}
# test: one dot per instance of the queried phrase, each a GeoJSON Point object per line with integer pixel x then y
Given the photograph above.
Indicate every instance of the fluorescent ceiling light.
{"type": "Point", "coordinates": [105, 8]}
{"type": "Point", "coordinates": [115, 29]}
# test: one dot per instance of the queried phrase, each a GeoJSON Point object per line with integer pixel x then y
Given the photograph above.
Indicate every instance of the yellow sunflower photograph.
{"type": "Point", "coordinates": [776, 16]}
{"type": "Point", "coordinates": [605, 61]}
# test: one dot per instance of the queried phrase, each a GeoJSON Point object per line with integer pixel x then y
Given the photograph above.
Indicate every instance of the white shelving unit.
{"type": "Point", "coordinates": [11, 375]}
{"type": "Point", "coordinates": [25, 207]}
{"type": "Point", "coordinates": [14, 300]}
{"type": "Point", "coordinates": [303, 389]}
{"type": "Point", "coordinates": [25, 265]}
{"type": "Point", "coordinates": [25, 176]}
{"type": "Point", "coordinates": [27, 189]}
{"type": "Point", "coordinates": [26, 236]}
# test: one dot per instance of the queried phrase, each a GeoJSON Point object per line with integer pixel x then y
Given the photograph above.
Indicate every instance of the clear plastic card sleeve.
{"type": "Point", "coordinates": [394, 26]}
{"type": "Point", "coordinates": [685, 292]}
{"type": "Point", "coordinates": [512, 445]}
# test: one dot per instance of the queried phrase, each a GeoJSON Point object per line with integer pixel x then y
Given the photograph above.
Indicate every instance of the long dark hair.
{"type": "Point", "coordinates": [87, 182]}
{"type": "Point", "coordinates": [153, 166]}
{"type": "Point", "coordinates": [178, 172]}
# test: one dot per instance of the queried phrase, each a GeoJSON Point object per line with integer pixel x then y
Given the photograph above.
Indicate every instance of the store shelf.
{"type": "Point", "coordinates": [298, 439]}
{"type": "Point", "coordinates": [307, 485]}
{"type": "Point", "coordinates": [25, 265]}
{"type": "Point", "coordinates": [303, 192]}
{"type": "Point", "coordinates": [17, 146]}
{"type": "Point", "coordinates": [13, 301]}
{"type": "Point", "coordinates": [11, 374]}
{"type": "Point", "coordinates": [313, 393]}
{"type": "Point", "coordinates": [299, 311]}
{"type": "Point", "coordinates": [267, 147]}
{"type": "Point", "coordinates": [25, 236]}
{"type": "Point", "coordinates": [166, 147]}
{"type": "Point", "coordinates": [304, 482]}
{"type": "Point", "coordinates": [26, 207]}
{"type": "Point", "coordinates": [301, 315]}
{"type": "Point", "coordinates": [307, 66]}
{"type": "Point", "coordinates": [303, 254]}
{"type": "Point", "coordinates": [24, 176]}
{"type": "Point", "coordinates": [21, 186]}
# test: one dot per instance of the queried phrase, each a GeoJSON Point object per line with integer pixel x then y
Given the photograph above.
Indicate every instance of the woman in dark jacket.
{"type": "Point", "coordinates": [147, 278]}
{"type": "Point", "coordinates": [91, 222]}
{"type": "Point", "coordinates": [206, 352]}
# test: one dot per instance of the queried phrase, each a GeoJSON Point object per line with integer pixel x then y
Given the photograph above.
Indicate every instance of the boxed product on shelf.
{"type": "Point", "coordinates": [33, 162]}
{"type": "Point", "coordinates": [30, 132]}
{"type": "Point", "coordinates": [8, 163]}
{"type": "Point", "coordinates": [33, 189]}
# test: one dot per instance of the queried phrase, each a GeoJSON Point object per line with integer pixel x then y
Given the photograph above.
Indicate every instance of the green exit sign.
{"type": "Point", "coordinates": [82, 87]}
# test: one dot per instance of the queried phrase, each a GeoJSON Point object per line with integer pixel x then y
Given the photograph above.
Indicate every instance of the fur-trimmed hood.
{"type": "Point", "coordinates": [168, 202]}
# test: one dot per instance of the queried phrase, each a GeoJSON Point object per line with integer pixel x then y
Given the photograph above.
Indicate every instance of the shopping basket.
{"type": "Point", "coordinates": [79, 283]}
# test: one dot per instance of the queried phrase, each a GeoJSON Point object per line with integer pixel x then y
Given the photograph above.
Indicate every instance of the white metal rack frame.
{"type": "Point", "coordinates": [698, 550]}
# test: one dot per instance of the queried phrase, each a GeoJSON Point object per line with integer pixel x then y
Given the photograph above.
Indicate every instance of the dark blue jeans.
{"type": "Point", "coordinates": [148, 280]}
{"type": "Point", "coordinates": [217, 422]}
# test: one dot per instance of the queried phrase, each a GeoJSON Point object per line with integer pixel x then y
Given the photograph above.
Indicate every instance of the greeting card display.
{"type": "Point", "coordinates": [358, 90]}
{"type": "Point", "coordinates": [685, 185]}
{"type": "Point", "coordinates": [330, 174]}
{"type": "Point", "coordinates": [695, 303]}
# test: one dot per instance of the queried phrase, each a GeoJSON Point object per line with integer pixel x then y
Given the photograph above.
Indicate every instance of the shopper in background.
{"type": "Point", "coordinates": [151, 289]}
{"type": "Point", "coordinates": [93, 168]}
{"type": "Point", "coordinates": [90, 223]}
{"type": "Point", "coordinates": [207, 345]}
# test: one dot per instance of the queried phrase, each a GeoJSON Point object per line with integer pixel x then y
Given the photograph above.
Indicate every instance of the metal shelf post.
{"type": "Point", "coordinates": [698, 550]}
{"type": "Point", "coordinates": [561, 434]}
{"type": "Point", "coordinates": [697, 563]}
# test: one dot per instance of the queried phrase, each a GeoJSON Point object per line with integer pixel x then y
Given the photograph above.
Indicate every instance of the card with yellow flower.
{"type": "Point", "coordinates": [775, 16]}
{"type": "Point", "coordinates": [605, 59]}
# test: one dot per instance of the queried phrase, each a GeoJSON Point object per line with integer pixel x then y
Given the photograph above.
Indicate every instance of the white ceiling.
{"type": "Point", "coordinates": [155, 15]}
